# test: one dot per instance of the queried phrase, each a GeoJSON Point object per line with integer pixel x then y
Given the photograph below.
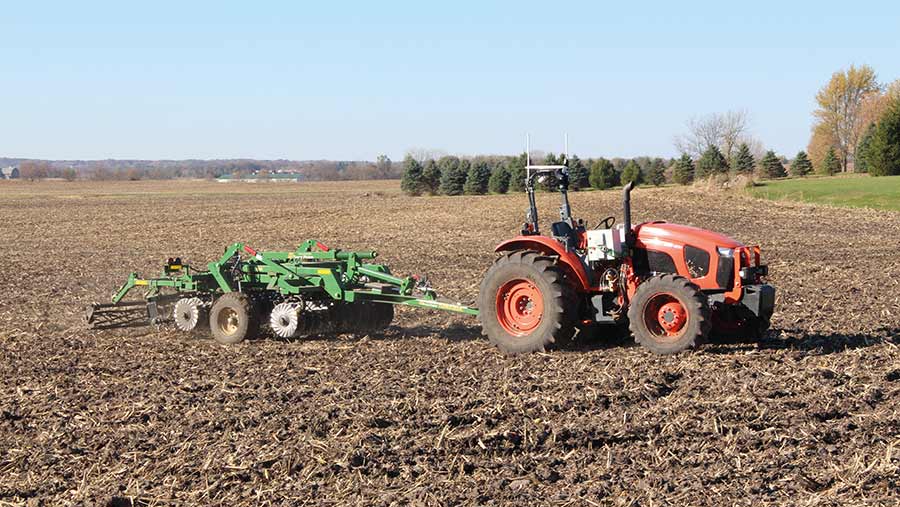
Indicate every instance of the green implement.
{"type": "Point", "coordinates": [312, 290]}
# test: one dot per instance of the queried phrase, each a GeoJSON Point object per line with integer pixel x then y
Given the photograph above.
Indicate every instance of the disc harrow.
{"type": "Point", "coordinates": [312, 290]}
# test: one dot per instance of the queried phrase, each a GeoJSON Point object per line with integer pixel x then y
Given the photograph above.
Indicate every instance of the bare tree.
{"type": "Point", "coordinates": [423, 154]}
{"type": "Point", "coordinates": [757, 148]}
{"type": "Point", "coordinates": [385, 166]}
{"type": "Point", "coordinates": [734, 131]}
{"type": "Point", "coordinates": [101, 172]}
{"type": "Point", "coordinates": [726, 131]}
{"type": "Point", "coordinates": [35, 170]}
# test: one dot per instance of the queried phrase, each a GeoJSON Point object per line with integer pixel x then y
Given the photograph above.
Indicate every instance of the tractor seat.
{"type": "Point", "coordinates": [564, 233]}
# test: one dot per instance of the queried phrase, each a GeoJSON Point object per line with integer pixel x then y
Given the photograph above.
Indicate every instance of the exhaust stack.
{"type": "Point", "coordinates": [626, 211]}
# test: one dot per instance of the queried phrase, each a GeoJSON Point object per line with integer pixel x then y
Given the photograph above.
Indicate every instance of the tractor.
{"type": "Point", "coordinates": [673, 285]}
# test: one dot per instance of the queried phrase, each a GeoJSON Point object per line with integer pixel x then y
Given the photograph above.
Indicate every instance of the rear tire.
{"type": "Point", "coordinates": [669, 314]}
{"type": "Point", "coordinates": [526, 304]}
{"type": "Point", "coordinates": [233, 318]}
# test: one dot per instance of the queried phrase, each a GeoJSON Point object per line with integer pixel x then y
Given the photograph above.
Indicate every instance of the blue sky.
{"type": "Point", "coordinates": [350, 80]}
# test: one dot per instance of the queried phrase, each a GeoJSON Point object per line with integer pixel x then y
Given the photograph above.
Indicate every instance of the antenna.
{"type": "Point", "coordinates": [566, 136]}
{"type": "Point", "coordinates": [527, 149]}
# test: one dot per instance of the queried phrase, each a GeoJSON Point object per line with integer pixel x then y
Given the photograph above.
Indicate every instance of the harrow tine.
{"type": "Point", "coordinates": [119, 315]}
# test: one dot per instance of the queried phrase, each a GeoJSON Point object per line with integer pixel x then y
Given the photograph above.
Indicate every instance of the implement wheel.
{"type": "Point", "coordinates": [189, 314]}
{"type": "Point", "coordinates": [669, 314]}
{"type": "Point", "coordinates": [286, 321]}
{"type": "Point", "coordinates": [525, 304]}
{"type": "Point", "coordinates": [233, 319]}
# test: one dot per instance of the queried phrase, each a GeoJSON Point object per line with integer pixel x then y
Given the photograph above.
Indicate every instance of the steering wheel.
{"type": "Point", "coordinates": [606, 223]}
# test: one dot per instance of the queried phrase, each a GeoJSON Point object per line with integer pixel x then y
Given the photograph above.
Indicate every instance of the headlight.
{"type": "Point", "coordinates": [754, 274]}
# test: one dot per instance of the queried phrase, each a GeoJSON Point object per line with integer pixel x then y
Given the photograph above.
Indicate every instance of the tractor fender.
{"type": "Point", "coordinates": [549, 246]}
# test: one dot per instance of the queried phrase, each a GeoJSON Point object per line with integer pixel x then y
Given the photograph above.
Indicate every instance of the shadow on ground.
{"type": "Point", "coordinates": [453, 333]}
{"type": "Point", "coordinates": [816, 343]}
{"type": "Point", "coordinates": [615, 337]}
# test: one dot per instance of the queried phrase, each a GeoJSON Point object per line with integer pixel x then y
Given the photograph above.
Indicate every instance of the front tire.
{"type": "Point", "coordinates": [525, 304]}
{"type": "Point", "coordinates": [233, 318]}
{"type": "Point", "coordinates": [669, 314]}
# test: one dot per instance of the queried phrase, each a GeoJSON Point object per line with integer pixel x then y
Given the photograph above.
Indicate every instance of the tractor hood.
{"type": "Point", "coordinates": [650, 233]}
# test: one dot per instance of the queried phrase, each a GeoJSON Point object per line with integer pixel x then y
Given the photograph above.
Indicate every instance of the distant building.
{"type": "Point", "coordinates": [255, 177]}
{"type": "Point", "coordinates": [9, 173]}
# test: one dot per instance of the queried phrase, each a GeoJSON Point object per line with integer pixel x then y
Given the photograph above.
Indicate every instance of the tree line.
{"type": "Point", "coordinates": [857, 127]}
{"type": "Point", "coordinates": [314, 170]}
{"type": "Point", "coordinates": [451, 175]}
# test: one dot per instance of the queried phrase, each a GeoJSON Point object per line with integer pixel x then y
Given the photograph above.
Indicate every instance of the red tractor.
{"type": "Point", "coordinates": [673, 284]}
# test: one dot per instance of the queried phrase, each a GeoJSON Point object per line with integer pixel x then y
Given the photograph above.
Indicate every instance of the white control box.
{"type": "Point", "coordinates": [605, 244]}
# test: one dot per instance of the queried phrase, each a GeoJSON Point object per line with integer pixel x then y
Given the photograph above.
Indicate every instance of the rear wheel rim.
{"type": "Point", "coordinates": [228, 321]}
{"type": "Point", "coordinates": [520, 307]}
{"type": "Point", "coordinates": [666, 317]}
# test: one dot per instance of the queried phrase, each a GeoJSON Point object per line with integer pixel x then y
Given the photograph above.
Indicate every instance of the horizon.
{"type": "Point", "coordinates": [105, 81]}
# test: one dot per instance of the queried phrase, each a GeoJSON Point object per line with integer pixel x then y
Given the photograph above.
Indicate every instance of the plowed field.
{"type": "Point", "coordinates": [429, 413]}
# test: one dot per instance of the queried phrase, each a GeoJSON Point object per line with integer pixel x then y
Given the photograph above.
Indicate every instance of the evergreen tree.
{"type": "Point", "coordinates": [499, 181]}
{"type": "Point", "coordinates": [631, 172]}
{"type": "Point", "coordinates": [578, 174]}
{"type": "Point", "coordinates": [884, 155]}
{"type": "Point", "coordinates": [516, 167]}
{"type": "Point", "coordinates": [711, 162]}
{"type": "Point", "coordinates": [411, 183]}
{"type": "Point", "coordinates": [656, 174]}
{"type": "Point", "coordinates": [771, 167]}
{"type": "Point", "coordinates": [464, 167]}
{"type": "Point", "coordinates": [683, 173]}
{"type": "Point", "coordinates": [830, 164]}
{"type": "Point", "coordinates": [743, 162]}
{"type": "Point", "coordinates": [477, 178]}
{"type": "Point", "coordinates": [603, 174]}
{"type": "Point", "coordinates": [801, 166]}
{"type": "Point", "coordinates": [431, 177]}
{"type": "Point", "coordinates": [863, 150]}
{"type": "Point", "coordinates": [453, 175]}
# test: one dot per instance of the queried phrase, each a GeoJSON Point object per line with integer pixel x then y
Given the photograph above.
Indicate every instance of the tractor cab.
{"type": "Point", "coordinates": [602, 243]}
{"type": "Point", "coordinates": [568, 231]}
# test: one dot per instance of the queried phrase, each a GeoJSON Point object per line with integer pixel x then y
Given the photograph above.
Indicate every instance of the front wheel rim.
{"type": "Point", "coordinates": [666, 317]}
{"type": "Point", "coordinates": [520, 307]}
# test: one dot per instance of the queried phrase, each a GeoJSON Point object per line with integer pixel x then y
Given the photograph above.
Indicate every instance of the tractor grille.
{"type": "Point", "coordinates": [725, 272]}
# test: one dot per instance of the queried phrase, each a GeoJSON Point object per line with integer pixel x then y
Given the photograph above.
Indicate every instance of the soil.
{"type": "Point", "coordinates": [428, 413]}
